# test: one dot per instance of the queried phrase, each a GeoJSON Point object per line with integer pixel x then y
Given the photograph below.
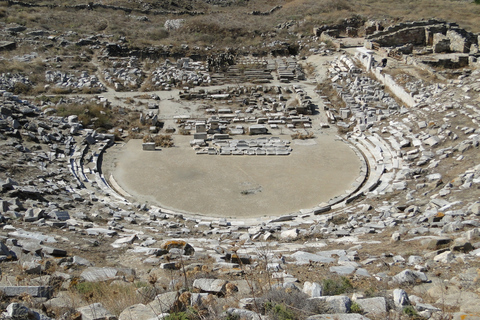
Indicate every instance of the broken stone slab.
{"type": "Point", "coordinates": [400, 298]}
{"type": "Point", "coordinates": [33, 214]}
{"type": "Point", "coordinates": [94, 274]}
{"type": "Point", "coordinates": [98, 231]}
{"type": "Point", "coordinates": [322, 208]}
{"type": "Point", "coordinates": [59, 215]}
{"type": "Point", "coordinates": [436, 244]}
{"type": "Point", "coordinates": [282, 219]}
{"type": "Point", "coordinates": [124, 241]}
{"type": "Point", "coordinates": [433, 177]}
{"type": "Point", "coordinates": [4, 250]}
{"type": "Point", "coordinates": [79, 261]}
{"type": "Point", "coordinates": [54, 251]}
{"type": "Point", "coordinates": [373, 306]}
{"type": "Point", "coordinates": [178, 244]}
{"type": "Point", "coordinates": [362, 272]}
{"type": "Point", "coordinates": [31, 235]}
{"type": "Point", "coordinates": [96, 311]}
{"type": "Point", "coordinates": [16, 311]}
{"type": "Point", "coordinates": [313, 289]}
{"type": "Point", "coordinates": [164, 302]}
{"type": "Point", "coordinates": [31, 267]}
{"type": "Point", "coordinates": [243, 314]}
{"type": "Point", "coordinates": [289, 234]}
{"type": "Point", "coordinates": [137, 312]}
{"type": "Point", "coordinates": [409, 277]}
{"type": "Point", "coordinates": [342, 270]}
{"type": "Point", "coordinates": [426, 307]}
{"type": "Point", "coordinates": [444, 257]}
{"type": "Point", "coordinates": [346, 316]}
{"type": "Point", "coordinates": [306, 257]}
{"type": "Point", "coordinates": [215, 286]}
{"type": "Point", "coordinates": [333, 304]}
{"type": "Point", "coordinates": [34, 291]}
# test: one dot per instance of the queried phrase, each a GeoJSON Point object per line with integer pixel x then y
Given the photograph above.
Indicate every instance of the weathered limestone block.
{"type": "Point", "coordinates": [313, 289]}
{"type": "Point", "coordinates": [373, 306]}
{"type": "Point", "coordinates": [163, 302]}
{"type": "Point", "coordinates": [215, 286]}
{"type": "Point", "coordinates": [34, 291]}
{"type": "Point", "coordinates": [96, 311]}
{"type": "Point", "coordinates": [458, 42]}
{"type": "Point", "coordinates": [334, 304]}
{"type": "Point", "coordinates": [400, 298]}
{"type": "Point", "coordinates": [178, 244]}
{"type": "Point", "coordinates": [441, 43]}
{"type": "Point", "coordinates": [409, 276]}
{"type": "Point", "coordinates": [137, 312]}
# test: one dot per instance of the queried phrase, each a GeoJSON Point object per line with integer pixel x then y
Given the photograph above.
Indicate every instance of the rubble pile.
{"type": "Point", "coordinates": [9, 81]}
{"type": "Point", "coordinates": [66, 80]}
{"type": "Point", "coordinates": [124, 74]}
{"type": "Point", "coordinates": [185, 73]}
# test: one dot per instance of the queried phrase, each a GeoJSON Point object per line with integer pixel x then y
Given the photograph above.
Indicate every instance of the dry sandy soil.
{"type": "Point", "coordinates": [216, 185]}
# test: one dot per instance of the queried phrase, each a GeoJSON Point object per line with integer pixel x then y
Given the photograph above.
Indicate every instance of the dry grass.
{"type": "Point", "coordinates": [302, 135]}
{"type": "Point", "coordinates": [231, 25]}
{"type": "Point", "coordinates": [161, 140]}
{"type": "Point", "coordinates": [114, 296]}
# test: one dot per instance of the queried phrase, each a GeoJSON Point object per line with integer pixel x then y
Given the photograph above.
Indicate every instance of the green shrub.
{"type": "Point", "coordinates": [90, 114]}
{"type": "Point", "coordinates": [177, 316]}
{"type": "Point", "coordinates": [332, 287]}
{"type": "Point", "coordinates": [87, 288]}
{"type": "Point", "coordinates": [279, 311]}
{"type": "Point", "coordinates": [355, 308]}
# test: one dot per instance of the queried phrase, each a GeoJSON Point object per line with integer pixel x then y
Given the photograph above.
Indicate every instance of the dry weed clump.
{"type": "Point", "coordinates": [290, 303]}
{"type": "Point", "coordinates": [115, 296]}
{"type": "Point", "coordinates": [89, 115]}
{"type": "Point", "coordinates": [161, 140]}
{"type": "Point", "coordinates": [303, 136]}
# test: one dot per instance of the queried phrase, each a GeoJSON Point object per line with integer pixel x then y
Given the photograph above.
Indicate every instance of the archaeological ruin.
{"type": "Point", "coordinates": [239, 160]}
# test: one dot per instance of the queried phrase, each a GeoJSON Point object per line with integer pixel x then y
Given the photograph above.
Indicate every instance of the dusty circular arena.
{"type": "Point", "coordinates": [235, 186]}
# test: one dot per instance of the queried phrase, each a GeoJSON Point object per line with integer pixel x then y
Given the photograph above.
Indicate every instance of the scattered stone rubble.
{"type": "Point", "coordinates": [8, 81]}
{"type": "Point", "coordinates": [71, 81]}
{"type": "Point", "coordinates": [364, 98]}
{"type": "Point", "coordinates": [124, 74]}
{"type": "Point", "coordinates": [185, 73]}
{"type": "Point", "coordinates": [252, 147]}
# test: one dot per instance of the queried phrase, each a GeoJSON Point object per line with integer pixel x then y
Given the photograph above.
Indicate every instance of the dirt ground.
{"type": "Point", "coordinates": [236, 186]}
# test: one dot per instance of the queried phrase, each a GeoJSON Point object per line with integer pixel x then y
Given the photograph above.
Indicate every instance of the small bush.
{"type": "Point", "coordinates": [161, 140]}
{"type": "Point", "coordinates": [333, 287]}
{"type": "Point", "coordinates": [115, 297]}
{"type": "Point", "coordinates": [303, 136]}
{"type": "Point", "coordinates": [355, 308]}
{"type": "Point", "coordinates": [21, 88]}
{"type": "Point", "coordinates": [184, 132]}
{"type": "Point", "coordinates": [90, 114]}
{"type": "Point", "coordinates": [282, 304]}
{"type": "Point", "coordinates": [279, 311]}
{"type": "Point", "coordinates": [177, 316]}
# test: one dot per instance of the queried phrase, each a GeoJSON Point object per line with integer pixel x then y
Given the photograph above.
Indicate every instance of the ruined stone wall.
{"type": "Point", "coordinates": [404, 25]}
{"type": "Point", "coordinates": [461, 40]}
{"type": "Point", "coordinates": [426, 33]}
{"type": "Point", "coordinates": [414, 36]}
